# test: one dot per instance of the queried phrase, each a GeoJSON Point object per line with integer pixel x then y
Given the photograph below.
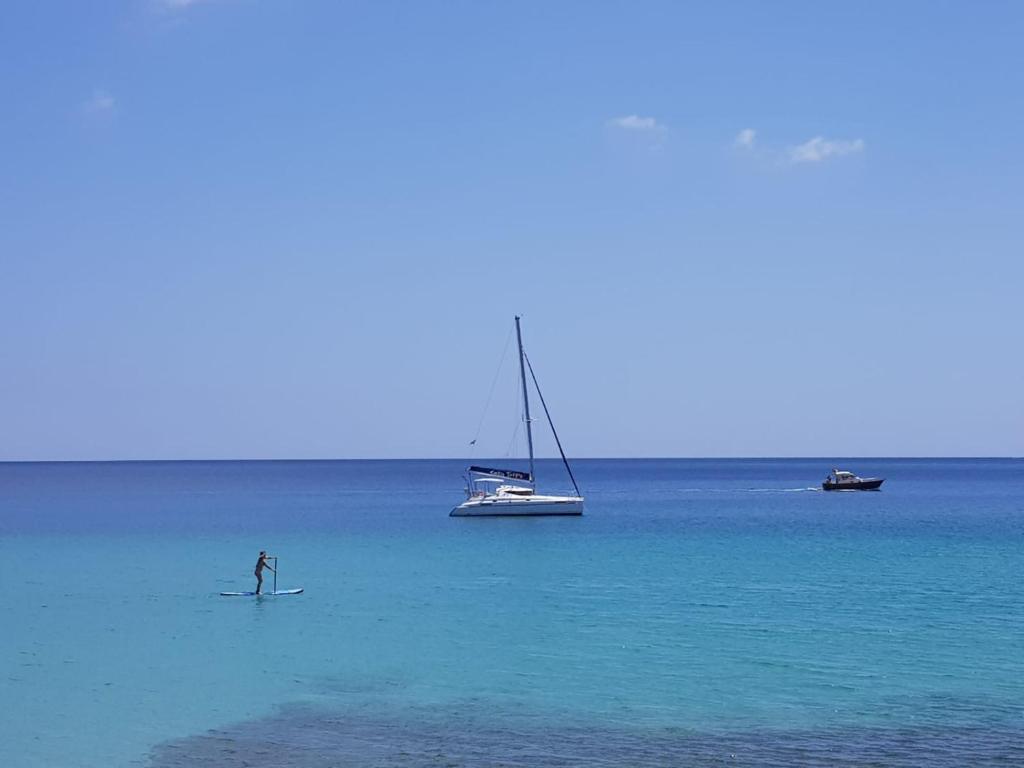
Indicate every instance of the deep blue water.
{"type": "Point", "coordinates": [702, 612]}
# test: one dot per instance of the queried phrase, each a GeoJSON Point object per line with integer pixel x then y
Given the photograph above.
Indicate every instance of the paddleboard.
{"type": "Point", "coordinates": [261, 594]}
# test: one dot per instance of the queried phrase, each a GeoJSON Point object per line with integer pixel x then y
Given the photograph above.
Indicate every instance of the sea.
{"type": "Point", "coordinates": [700, 613]}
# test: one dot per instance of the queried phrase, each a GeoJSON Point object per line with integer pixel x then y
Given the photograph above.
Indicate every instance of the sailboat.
{"type": "Point", "coordinates": [513, 493]}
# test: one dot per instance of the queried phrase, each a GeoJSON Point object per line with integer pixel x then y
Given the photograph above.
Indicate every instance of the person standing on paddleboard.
{"type": "Point", "coordinates": [260, 565]}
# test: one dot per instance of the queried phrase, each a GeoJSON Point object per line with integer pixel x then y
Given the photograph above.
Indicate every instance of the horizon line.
{"type": "Point", "coordinates": [489, 458]}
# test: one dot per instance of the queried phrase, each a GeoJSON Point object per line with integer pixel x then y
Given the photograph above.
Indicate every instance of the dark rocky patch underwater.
{"type": "Point", "coordinates": [304, 737]}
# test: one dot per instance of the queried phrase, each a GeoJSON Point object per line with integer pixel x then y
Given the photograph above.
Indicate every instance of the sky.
{"type": "Point", "coordinates": [270, 229]}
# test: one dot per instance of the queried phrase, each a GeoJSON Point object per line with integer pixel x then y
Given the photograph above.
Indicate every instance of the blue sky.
{"type": "Point", "coordinates": [256, 229]}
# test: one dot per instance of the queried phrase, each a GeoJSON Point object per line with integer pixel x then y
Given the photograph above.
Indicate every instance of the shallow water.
{"type": "Point", "coordinates": [700, 613]}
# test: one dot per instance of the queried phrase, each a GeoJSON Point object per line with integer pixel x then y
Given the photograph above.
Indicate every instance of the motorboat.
{"type": "Point", "coordinates": [841, 480]}
{"type": "Point", "coordinates": [494, 492]}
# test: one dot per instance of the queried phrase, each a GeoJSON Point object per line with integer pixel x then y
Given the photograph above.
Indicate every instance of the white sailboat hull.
{"type": "Point", "coordinates": [519, 506]}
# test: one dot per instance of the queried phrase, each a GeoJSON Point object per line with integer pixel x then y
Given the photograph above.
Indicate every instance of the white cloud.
{"type": "Point", "coordinates": [637, 123]}
{"type": "Point", "coordinates": [819, 148]}
{"type": "Point", "coordinates": [745, 138]}
{"type": "Point", "coordinates": [101, 101]}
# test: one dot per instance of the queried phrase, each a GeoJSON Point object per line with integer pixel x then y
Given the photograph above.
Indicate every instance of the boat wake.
{"type": "Point", "coordinates": [810, 489]}
{"type": "Point", "coordinates": [770, 490]}
{"type": "Point", "coordinates": [758, 490]}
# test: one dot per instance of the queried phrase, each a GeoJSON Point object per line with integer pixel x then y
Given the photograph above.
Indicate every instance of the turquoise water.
{"type": "Point", "coordinates": [701, 613]}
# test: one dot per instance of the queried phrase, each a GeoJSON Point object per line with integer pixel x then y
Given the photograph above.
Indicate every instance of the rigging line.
{"type": "Point", "coordinates": [552, 425]}
{"type": "Point", "coordinates": [513, 443]}
{"type": "Point", "coordinates": [490, 394]}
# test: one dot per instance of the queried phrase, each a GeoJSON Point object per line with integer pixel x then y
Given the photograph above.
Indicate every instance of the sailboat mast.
{"type": "Point", "coordinates": [526, 398]}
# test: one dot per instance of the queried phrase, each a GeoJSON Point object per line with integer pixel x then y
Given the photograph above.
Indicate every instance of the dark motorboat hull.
{"type": "Point", "coordinates": [870, 484]}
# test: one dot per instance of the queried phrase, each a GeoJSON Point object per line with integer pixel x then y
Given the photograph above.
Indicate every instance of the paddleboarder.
{"type": "Point", "coordinates": [260, 565]}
